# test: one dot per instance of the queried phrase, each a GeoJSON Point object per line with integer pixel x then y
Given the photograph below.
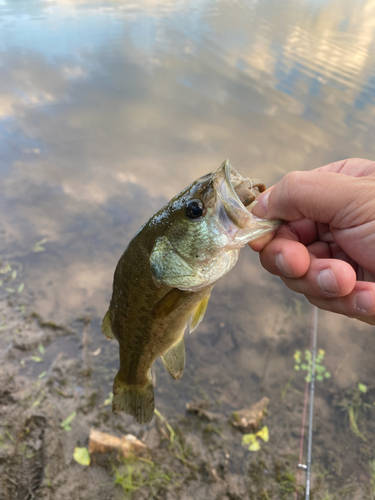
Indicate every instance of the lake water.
{"type": "Point", "coordinates": [109, 108]}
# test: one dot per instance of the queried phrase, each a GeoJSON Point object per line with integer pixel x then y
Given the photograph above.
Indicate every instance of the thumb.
{"type": "Point", "coordinates": [326, 197]}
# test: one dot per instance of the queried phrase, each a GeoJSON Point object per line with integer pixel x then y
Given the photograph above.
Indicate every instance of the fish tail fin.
{"type": "Point", "coordinates": [135, 400]}
{"type": "Point", "coordinates": [106, 326]}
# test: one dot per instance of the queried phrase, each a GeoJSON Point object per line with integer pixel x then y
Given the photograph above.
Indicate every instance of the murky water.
{"type": "Point", "coordinates": [108, 109]}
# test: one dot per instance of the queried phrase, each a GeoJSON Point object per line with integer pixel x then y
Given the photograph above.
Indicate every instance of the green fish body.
{"type": "Point", "coordinates": [163, 281]}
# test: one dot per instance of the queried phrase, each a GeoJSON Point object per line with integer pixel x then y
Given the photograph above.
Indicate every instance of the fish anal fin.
{"type": "Point", "coordinates": [169, 303]}
{"type": "Point", "coordinates": [174, 359]}
{"type": "Point", "coordinates": [106, 327]}
{"type": "Point", "coordinates": [198, 313]}
{"type": "Point", "coordinates": [134, 400]}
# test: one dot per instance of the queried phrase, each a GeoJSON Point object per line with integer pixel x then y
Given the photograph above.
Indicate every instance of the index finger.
{"type": "Point", "coordinates": [355, 167]}
{"type": "Point", "coordinates": [317, 195]}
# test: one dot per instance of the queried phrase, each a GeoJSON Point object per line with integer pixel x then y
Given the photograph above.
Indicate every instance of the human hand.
{"type": "Point", "coordinates": [326, 249]}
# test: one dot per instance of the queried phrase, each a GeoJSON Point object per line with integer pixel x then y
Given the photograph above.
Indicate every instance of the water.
{"type": "Point", "coordinates": [108, 109]}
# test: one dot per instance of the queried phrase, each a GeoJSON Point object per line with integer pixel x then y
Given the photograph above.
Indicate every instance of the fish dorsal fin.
{"type": "Point", "coordinates": [174, 359]}
{"type": "Point", "coordinates": [106, 327]}
{"type": "Point", "coordinates": [169, 303]}
{"type": "Point", "coordinates": [198, 314]}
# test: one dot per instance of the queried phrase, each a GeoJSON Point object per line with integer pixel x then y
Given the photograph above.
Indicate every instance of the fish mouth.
{"type": "Point", "coordinates": [236, 193]}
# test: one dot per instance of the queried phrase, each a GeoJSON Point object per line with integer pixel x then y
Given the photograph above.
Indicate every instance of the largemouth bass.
{"type": "Point", "coordinates": [163, 281]}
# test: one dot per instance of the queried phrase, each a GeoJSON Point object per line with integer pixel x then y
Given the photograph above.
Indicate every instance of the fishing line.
{"type": "Point", "coordinates": [301, 466]}
{"type": "Point", "coordinates": [303, 426]}
{"type": "Point", "coordinates": [312, 392]}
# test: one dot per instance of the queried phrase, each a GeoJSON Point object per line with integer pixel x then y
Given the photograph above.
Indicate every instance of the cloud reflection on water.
{"type": "Point", "coordinates": [100, 102]}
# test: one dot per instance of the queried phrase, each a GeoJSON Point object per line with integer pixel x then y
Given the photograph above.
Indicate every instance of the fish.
{"type": "Point", "coordinates": [164, 279]}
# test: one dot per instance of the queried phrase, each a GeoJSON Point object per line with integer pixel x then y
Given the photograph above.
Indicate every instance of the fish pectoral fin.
{"type": "Point", "coordinates": [106, 327]}
{"type": "Point", "coordinates": [169, 303]}
{"type": "Point", "coordinates": [198, 314]}
{"type": "Point", "coordinates": [174, 359]}
{"type": "Point", "coordinates": [134, 400]}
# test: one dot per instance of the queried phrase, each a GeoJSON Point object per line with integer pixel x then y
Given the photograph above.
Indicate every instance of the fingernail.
{"type": "Point", "coordinates": [261, 208]}
{"type": "Point", "coordinates": [364, 301]}
{"type": "Point", "coordinates": [283, 265]}
{"type": "Point", "coordinates": [327, 282]}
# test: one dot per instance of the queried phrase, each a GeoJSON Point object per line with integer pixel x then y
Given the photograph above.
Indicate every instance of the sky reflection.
{"type": "Point", "coordinates": [109, 109]}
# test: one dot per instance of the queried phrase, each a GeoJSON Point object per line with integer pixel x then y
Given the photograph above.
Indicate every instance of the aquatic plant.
{"type": "Point", "coordinates": [8, 276]}
{"type": "Point", "coordinates": [355, 406]}
{"type": "Point", "coordinates": [251, 439]}
{"type": "Point", "coordinates": [176, 439]}
{"type": "Point", "coordinates": [37, 358]}
{"type": "Point", "coordinates": [305, 364]}
{"type": "Point", "coordinates": [66, 423]}
{"type": "Point", "coordinates": [135, 474]}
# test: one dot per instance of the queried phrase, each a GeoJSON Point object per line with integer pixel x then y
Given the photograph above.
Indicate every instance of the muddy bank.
{"type": "Point", "coordinates": [48, 404]}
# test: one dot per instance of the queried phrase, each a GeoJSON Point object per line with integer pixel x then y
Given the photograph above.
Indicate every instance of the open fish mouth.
{"type": "Point", "coordinates": [236, 193]}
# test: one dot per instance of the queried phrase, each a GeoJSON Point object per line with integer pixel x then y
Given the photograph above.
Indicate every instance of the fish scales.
{"type": "Point", "coordinates": [164, 279]}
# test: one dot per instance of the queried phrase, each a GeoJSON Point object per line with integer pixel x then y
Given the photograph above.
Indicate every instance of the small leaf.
{"type": "Point", "coordinates": [14, 274]}
{"type": "Point", "coordinates": [1, 282]}
{"type": "Point", "coordinates": [108, 401]}
{"type": "Point", "coordinates": [41, 348]}
{"type": "Point", "coordinates": [319, 378]}
{"type": "Point", "coordinates": [21, 287]}
{"type": "Point", "coordinates": [38, 401]}
{"type": "Point", "coordinates": [362, 388]}
{"type": "Point", "coordinates": [254, 446]}
{"type": "Point", "coordinates": [37, 359]}
{"type": "Point", "coordinates": [297, 368]}
{"type": "Point", "coordinates": [81, 456]}
{"type": "Point", "coordinates": [248, 439]}
{"type": "Point", "coordinates": [297, 356]}
{"type": "Point", "coordinates": [327, 375]}
{"type": "Point", "coordinates": [263, 434]}
{"type": "Point", "coordinates": [43, 374]}
{"type": "Point", "coordinates": [66, 423]}
{"type": "Point", "coordinates": [304, 366]}
{"type": "Point", "coordinates": [9, 290]}
{"type": "Point", "coordinates": [5, 269]}
{"type": "Point", "coordinates": [38, 246]}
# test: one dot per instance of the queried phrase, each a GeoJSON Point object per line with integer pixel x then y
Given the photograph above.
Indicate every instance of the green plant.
{"type": "Point", "coordinates": [288, 484]}
{"type": "Point", "coordinates": [172, 433]}
{"type": "Point", "coordinates": [109, 400]}
{"type": "Point", "coordinates": [66, 423]}
{"type": "Point", "coordinates": [135, 474]}
{"type": "Point", "coordinates": [327, 496]}
{"type": "Point", "coordinates": [354, 406]}
{"type": "Point", "coordinates": [252, 441]}
{"type": "Point", "coordinates": [176, 440]}
{"type": "Point", "coordinates": [38, 247]}
{"type": "Point", "coordinates": [306, 365]}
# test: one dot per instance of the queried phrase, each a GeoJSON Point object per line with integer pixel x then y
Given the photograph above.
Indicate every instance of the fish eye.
{"type": "Point", "coordinates": [194, 209]}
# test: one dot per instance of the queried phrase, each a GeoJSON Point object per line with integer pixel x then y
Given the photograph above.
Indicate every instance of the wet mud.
{"type": "Point", "coordinates": [50, 400]}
